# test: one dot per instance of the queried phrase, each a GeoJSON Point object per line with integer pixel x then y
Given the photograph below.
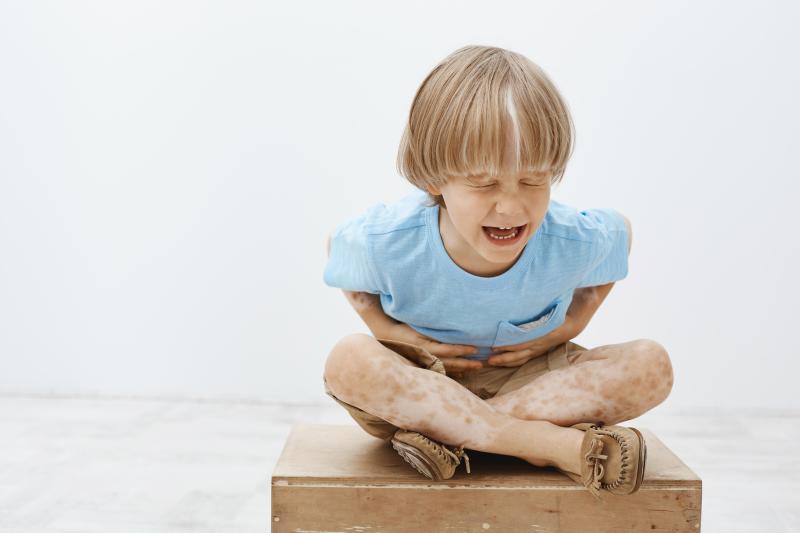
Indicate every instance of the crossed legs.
{"type": "Point", "coordinates": [610, 383]}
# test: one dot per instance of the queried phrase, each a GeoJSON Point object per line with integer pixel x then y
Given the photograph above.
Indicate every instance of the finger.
{"type": "Point", "coordinates": [530, 350]}
{"type": "Point", "coordinates": [460, 365]}
{"type": "Point", "coordinates": [451, 350]}
{"type": "Point", "coordinates": [538, 344]}
{"type": "Point", "coordinates": [530, 345]}
{"type": "Point", "coordinates": [508, 357]}
{"type": "Point", "coordinates": [512, 365]}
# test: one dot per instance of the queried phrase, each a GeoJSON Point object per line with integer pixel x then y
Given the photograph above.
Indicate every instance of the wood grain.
{"type": "Point", "coordinates": [338, 478]}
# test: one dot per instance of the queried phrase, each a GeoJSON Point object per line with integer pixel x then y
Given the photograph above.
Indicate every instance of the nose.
{"type": "Point", "coordinates": [509, 204]}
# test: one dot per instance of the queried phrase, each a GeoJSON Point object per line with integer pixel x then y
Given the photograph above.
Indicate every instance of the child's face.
{"type": "Point", "coordinates": [475, 202]}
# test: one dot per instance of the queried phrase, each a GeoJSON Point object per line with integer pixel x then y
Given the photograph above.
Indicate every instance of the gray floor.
{"type": "Point", "coordinates": [90, 465]}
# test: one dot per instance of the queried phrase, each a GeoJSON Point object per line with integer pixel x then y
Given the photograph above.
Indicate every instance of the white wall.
{"type": "Point", "coordinates": [169, 173]}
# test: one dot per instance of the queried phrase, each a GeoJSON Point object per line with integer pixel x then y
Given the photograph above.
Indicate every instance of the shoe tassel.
{"type": "Point", "coordinates": [459, 453]}
{"type": "Point", "coordinates": [595, 473]}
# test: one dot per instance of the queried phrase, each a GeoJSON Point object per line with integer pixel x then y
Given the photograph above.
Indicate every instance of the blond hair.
{"type": "Point", "coordinates": [459, 116]}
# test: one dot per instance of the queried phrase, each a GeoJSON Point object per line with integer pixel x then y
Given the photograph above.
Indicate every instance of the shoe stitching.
{"type": "Point", "coordinates": [593, 457]}
{"type": "Point", "coordinates": [626, 457]}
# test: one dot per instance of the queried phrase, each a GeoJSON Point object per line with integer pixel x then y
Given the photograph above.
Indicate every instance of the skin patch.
{"type": "Point", "coordinates": [452, 408]}
{"type": "Point", "coordinates": [413, 386]}
{"type": "Point", "coordinates": [618, 386]}
{"type": "Point", "coordinates": [580, 381]}
{"type": "Point", "coordinates": [345, 391]}
{"type": "Point", "coordinates": [599, 387]}
{"type": "Point", "coordinates": [384, 386]}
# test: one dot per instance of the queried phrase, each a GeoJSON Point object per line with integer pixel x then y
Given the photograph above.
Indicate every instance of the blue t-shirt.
{"type": "Point", "coordinates": [396, 251]}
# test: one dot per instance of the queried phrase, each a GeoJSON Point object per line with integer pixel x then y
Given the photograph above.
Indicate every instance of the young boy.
{"type": "Point", "coordinates": [474, 285]}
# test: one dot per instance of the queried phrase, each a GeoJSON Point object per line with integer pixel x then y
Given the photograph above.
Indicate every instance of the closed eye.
{"type": "Point", "coordinates": [492, 185]}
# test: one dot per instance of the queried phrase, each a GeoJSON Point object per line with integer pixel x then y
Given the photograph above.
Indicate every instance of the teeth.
{"type": "Point", "coordinates": [499, 237]}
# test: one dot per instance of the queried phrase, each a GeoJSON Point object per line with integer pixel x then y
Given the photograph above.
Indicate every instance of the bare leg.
{"type": "Point", "coordinates": [609, 383]}
{"type": "Point", "coordinates": [363, 372]}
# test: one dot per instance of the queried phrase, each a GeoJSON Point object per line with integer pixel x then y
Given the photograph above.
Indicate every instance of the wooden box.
{"type": "Point", "coordinates": [337, 478]}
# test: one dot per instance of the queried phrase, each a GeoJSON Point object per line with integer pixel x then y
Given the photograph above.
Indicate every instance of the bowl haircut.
{"type": "Point", "coordinates": [470, 106]}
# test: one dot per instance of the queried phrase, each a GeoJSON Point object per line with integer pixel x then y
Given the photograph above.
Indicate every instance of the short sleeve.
{"type": "Point", "coordinates": [610, 262]}
{"type": "Point", "coordinates": [350, 265]}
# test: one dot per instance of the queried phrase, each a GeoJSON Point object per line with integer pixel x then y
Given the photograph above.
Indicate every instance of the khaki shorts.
{"type": "Point", "coordinates": [485, 382]}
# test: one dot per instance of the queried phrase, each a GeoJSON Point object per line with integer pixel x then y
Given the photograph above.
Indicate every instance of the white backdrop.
{"type": "Point", "coordinates": [169, 173]}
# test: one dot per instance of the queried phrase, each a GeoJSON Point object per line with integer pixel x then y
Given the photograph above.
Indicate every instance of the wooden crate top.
{"type": "Point", "coordinates": [321, 454]}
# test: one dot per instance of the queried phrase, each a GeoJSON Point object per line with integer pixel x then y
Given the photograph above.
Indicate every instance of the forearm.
{"type": "Point", "coordinates": [368, 306]}
{"type": "Point", "coordinates": [586, 301]}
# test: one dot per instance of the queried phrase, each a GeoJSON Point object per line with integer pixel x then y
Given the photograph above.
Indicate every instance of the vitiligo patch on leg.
{"type": "Point", "coordinates": [411, 397]}
{"type": "Point", "coordinates": [611, 383]}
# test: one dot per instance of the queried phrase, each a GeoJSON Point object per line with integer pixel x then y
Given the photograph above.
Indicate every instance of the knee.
{"type": "Point", "coordinates": [654, 368]}
{"type": "Point", "coordinates": [346, 361]}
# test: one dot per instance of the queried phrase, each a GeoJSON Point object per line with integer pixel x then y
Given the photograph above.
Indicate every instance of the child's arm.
{"type": "Point", "coordinates": [368, 306]}
{"type": "Point", "coordinates": [586, 300]}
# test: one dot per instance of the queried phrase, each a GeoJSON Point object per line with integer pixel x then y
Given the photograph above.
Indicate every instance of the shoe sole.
{"type": "Point", "coordinates": [420, 463]}
{"type": "Point", "coordinates": [642, 460]}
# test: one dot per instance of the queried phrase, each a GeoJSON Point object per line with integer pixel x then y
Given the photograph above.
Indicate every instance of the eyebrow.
{"type": "Point", "coordinates": [484, 177]}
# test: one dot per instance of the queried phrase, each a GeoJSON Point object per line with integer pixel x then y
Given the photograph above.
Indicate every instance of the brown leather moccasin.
{"type": "Point", "coordinates": [432, 459]}
{"type": "Point", "coordinates": [614, 459]}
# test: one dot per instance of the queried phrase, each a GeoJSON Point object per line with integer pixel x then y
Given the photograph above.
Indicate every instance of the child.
{"type": "Point", "coordinates": [474, 285]}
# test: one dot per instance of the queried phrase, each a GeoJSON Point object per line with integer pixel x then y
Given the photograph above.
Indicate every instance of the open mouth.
{"type": "Point", "coordinates": [504, 237]}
